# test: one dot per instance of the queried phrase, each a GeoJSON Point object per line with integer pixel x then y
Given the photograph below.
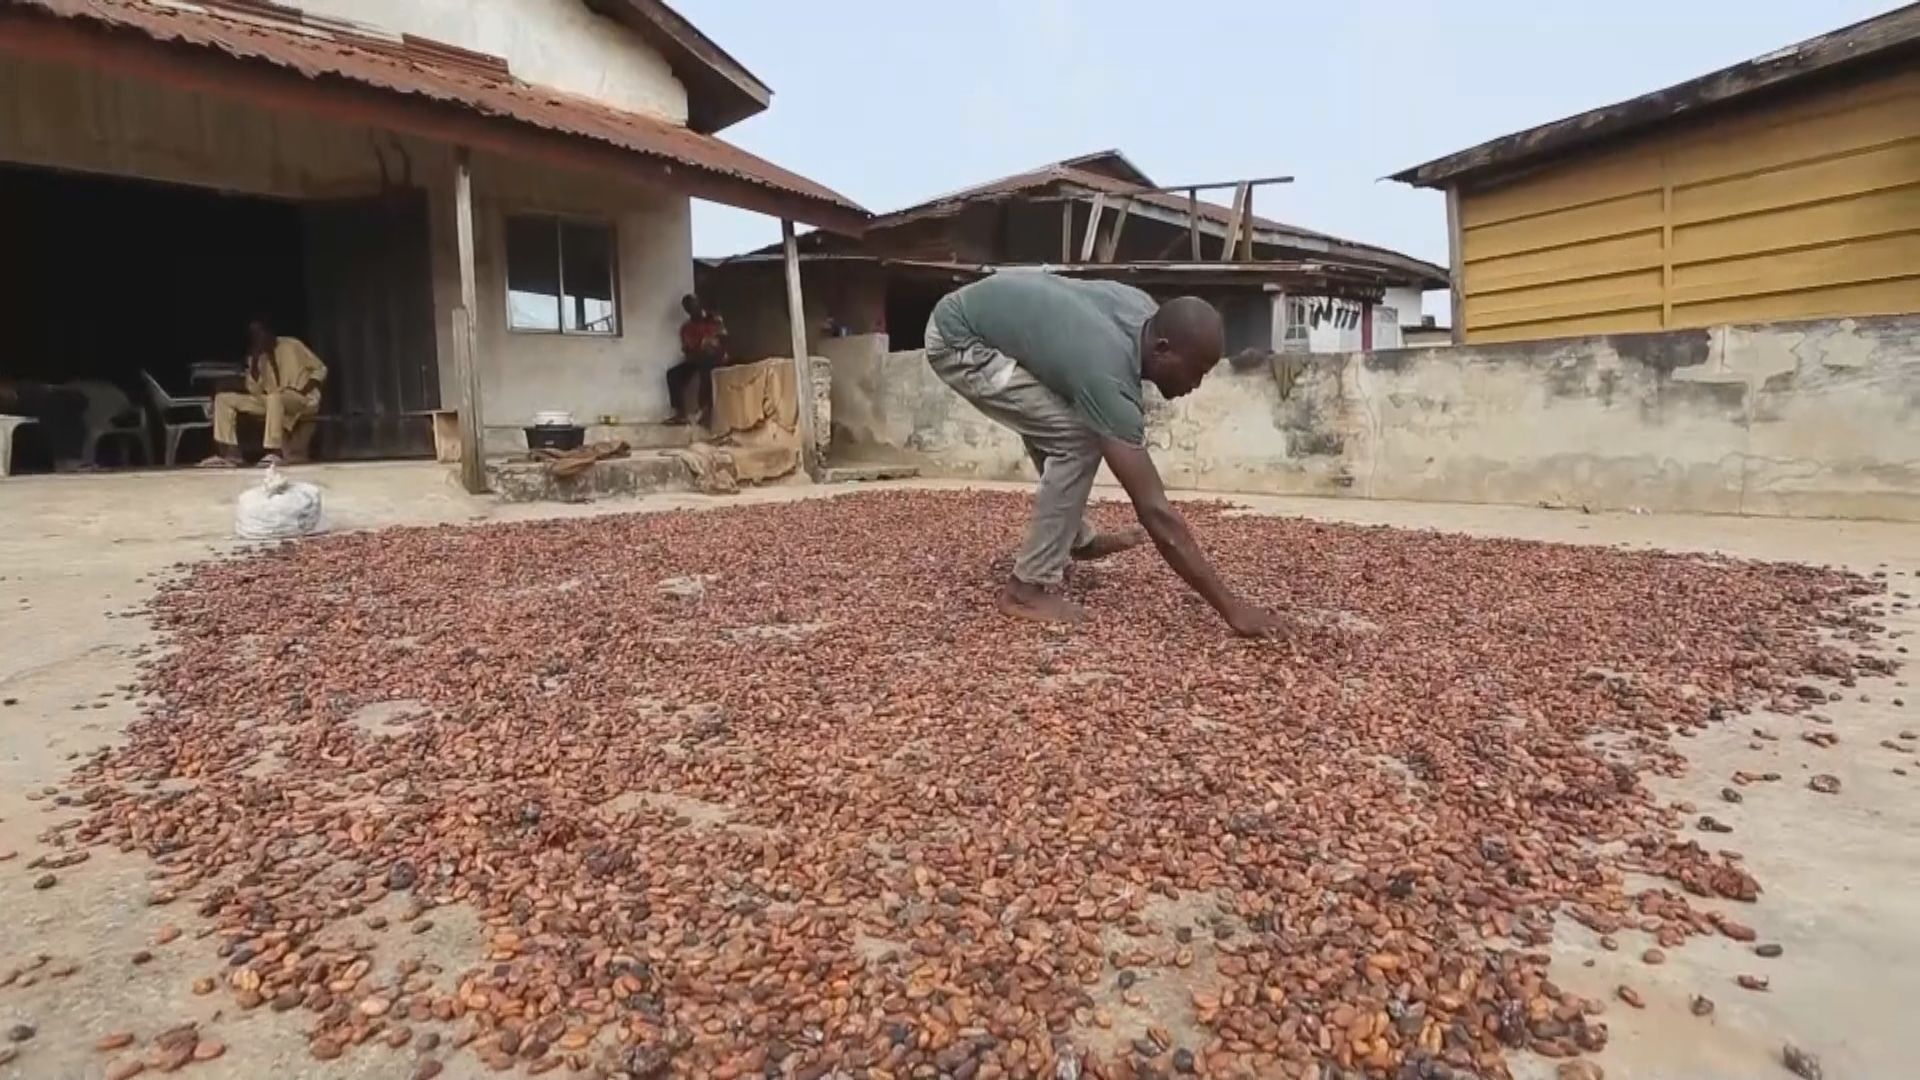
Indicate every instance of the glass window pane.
{"type": "Point", "coordinates": [588, 306]}
{"type": "Point", "coordinates": [533, 274]}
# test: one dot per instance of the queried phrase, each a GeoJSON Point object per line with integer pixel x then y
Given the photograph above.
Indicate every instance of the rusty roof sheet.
{"type": "Point", "coordinates": [1066, 175]}
{"type": "Point", "coordinates": [316, 46]}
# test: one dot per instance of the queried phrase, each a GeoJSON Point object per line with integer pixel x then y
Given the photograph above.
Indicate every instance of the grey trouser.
{"type": "Point", "coordinates": [1064, 449]}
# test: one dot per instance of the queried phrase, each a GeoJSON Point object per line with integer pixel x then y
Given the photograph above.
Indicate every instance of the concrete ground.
{"type": "Point", "coordinates": [79, 554]}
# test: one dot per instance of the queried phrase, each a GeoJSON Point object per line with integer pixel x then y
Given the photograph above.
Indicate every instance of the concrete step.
{"type": "Point", "coordinates": [641, 474]}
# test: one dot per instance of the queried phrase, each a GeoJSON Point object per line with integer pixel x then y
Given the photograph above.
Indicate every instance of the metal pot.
{"type": "Point", "coordinates": [555, 436]}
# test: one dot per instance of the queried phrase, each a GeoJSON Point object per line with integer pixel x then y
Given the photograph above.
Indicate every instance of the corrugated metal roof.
{"type": "Point", "coordinates": [1896, 33]}
{"type": "Point", "coordinates": [255, 30]}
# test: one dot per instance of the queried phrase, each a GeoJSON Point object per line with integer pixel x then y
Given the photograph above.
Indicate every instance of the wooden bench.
{"type": "Point", "coordinates": [446, 432]}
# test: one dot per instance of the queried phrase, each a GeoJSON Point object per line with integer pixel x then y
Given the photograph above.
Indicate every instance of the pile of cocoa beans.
{"type": "Point", "coordinates": [775, 791]}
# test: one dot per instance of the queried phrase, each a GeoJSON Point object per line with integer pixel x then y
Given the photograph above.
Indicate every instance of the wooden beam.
{"type": "Point", "coordinates": [1093, 228]}
{"type": "Point", "coordinates": [1174, 213]}
{"type": "Point", "coordinates": [1066, 230]}
{"type": "Point", "coordinates": [802, 362]}
{"type": "Point", "coordinates": [1110, 245]}
{"type": "Point", "coordinates": [79, 43]}
{"type": "Point", "coordinates": [466, 351]}
{"type": "Point", "coordinates": [1457, 266]}
{"type": "Point", "coordinates": [1666, 254]}
{"type": "Point", "coordinates": [1193, 221]}
{"type": "Point", "coordinates": [1234, 218]}
{"type": "Point", "coordinates": [1215, 186]}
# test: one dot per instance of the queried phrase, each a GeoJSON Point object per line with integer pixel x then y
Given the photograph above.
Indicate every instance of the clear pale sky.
{"type": "Point", "coordinates": [892, 101]}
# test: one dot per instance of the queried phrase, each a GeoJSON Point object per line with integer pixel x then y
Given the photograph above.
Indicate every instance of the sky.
{"type": "Point", "coordinates": [890, 102]}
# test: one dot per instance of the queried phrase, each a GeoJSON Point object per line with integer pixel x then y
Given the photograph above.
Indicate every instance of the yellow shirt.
{"type": "Point", "coordinates": [293, 366]}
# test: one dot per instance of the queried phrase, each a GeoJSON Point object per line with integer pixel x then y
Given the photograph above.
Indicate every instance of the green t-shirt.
{"type": "Point", "coordinates": [1080, 339]}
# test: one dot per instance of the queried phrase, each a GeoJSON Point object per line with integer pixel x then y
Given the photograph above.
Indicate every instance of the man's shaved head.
{"type": "Point", "coordinates": [1182, 342]}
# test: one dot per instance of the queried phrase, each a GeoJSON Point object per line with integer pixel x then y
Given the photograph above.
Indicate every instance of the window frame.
{"type": "Point", "coordinates": [559, 221]}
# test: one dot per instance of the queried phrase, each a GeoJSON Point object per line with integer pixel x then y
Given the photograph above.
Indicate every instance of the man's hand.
{"type": "Point", "coordinates": [1251, 622]}
{"type": "Point", "coordinates": [1133, 467]}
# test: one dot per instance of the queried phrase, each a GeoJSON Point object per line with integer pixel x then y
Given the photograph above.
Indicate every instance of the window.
{"type": "Point", "coordinates": [560, 276]}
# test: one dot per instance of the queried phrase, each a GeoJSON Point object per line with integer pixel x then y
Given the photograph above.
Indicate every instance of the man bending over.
{"type": "Point", "coordinates": [1060, 362]}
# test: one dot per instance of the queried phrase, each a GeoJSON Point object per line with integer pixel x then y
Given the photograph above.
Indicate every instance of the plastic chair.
{"type": "Point", "coordinates": [9, 425]}
{"type": "Point", "coordinates": [111, 414]}
{"type": "Point", "coordinates": [178, 415]}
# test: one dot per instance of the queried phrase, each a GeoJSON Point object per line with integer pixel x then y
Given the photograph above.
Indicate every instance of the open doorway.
{"type": "Point", "coordinates": [116, 291]}
{"type": "Point", "coordinates": [103, 279]}
{"type": "Point", "coordinates": [910, 303]}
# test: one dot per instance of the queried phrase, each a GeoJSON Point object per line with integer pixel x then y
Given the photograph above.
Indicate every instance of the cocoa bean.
{"type": "Point", "coordinates": [500, 721]}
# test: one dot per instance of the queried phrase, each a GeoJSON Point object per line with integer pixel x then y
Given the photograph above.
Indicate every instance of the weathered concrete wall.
{"type": "Point", "coordinates": [62, 117]}
{"type": "Point", "coordinates": [752, 297]}
{"type": "Point", "coordinates": [557, 43]}
{"type": "Point", "coordinates": [592, 376]}
{"type": "Point", "coordinates": [1406, 303]}
{"type": "Point", "coordinates": [1817, 419]}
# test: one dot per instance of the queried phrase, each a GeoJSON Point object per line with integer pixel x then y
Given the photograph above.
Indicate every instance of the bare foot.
{"type": "Point", "coordinates": [1110, 543]}
{"type": "Point", "coordinates": [1033, 602]}
{"type": "Point", "coordinates": [218, 461]}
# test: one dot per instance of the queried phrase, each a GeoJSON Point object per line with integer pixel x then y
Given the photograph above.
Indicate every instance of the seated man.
{"type": "Point", "coordinates": [703, 347]}
{"type": "Point", "coordinates": [283, 385]}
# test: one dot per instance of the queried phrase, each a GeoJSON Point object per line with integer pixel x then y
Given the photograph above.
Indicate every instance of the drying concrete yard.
{"type": "Point", "coordinates": [761, 786]}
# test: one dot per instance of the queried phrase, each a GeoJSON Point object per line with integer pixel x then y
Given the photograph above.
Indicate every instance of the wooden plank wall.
{"type": "Point", "coordinates": [1804, 208]}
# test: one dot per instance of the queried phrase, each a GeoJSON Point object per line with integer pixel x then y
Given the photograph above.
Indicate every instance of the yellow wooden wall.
{"type": "Point", "coordinates": [1802, 209]}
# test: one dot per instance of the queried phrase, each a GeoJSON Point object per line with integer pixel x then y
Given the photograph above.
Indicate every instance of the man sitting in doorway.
{"type": "Point", "coordinates": [703, 347]}
{"type": "Point", "coordinates": [283, 386]}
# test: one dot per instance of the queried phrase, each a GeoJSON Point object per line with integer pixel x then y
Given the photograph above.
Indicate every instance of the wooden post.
{"type": "Point", "coordinates": [1111, 244]}
{"type": "Point", "coordinates": [1246, 227]}
{"type": "Point", "coordinates": [1093, 228]}
{"type": "Point", "coordinates": [1193, 221]}
{"type": "Point", "coordinates": [466, 352]}
{"type": "Point", "coordinates": [1233, 222]}
{"type": "Point", "coordinates": [1066, 230]}
{"type": "Point", "coordinates": [802, 364]}
{"type": "Point", "coordinates": [1457, 268]}
{"type": "Point", "coordinates": [472, 459]}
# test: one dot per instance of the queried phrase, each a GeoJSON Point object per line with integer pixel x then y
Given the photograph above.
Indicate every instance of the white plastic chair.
{"type": "Point", "coordinates": [9, 425]}
{"type": "Point", "coordinates": [111, 414]}
{"type": "Point", "coordinates": [178, 415]}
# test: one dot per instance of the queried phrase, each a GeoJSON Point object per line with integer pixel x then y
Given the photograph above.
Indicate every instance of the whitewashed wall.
{"type": "Point", "coordinates": [557, 43]}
